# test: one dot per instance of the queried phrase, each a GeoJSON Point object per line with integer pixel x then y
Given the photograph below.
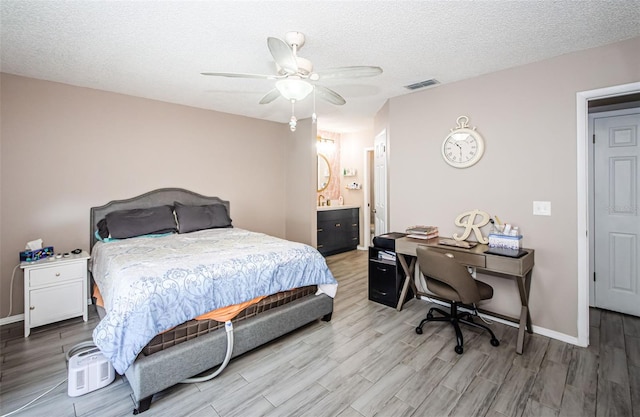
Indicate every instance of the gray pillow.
{"type": "Point", "coordinates": [123, 224]}
{"type": "Point", "coordinates": [192, 218]}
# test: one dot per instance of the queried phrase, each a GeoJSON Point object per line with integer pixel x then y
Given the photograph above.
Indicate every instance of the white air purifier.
{"type": "Point", "coordinates": [89, 371]}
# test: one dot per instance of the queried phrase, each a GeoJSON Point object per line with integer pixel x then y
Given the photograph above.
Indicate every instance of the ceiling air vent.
{"type": "Point", "coordinates": [421, 84]}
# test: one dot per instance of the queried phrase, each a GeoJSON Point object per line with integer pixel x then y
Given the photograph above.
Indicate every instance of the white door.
{"type": "Point", "coordinates": [380, 182]}
{"type": "Point", "coordinates": [368, 214]}
{"type": "Point", "coordinates": [616, 213]}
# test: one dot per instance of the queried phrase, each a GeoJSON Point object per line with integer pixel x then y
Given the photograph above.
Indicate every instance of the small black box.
{"type": "Point", "coordinates": [388, 240]}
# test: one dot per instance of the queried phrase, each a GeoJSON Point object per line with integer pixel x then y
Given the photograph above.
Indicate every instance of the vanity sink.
{"type": "Point", "coordinates": [346, 206]}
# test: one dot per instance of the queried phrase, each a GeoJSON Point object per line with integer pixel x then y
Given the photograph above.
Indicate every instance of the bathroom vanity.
{"type": "Point", "coordinates": [338, 229]}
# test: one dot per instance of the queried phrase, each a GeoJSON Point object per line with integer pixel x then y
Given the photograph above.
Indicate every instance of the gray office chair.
{"type": "Point", "coordinates": [448, 279]}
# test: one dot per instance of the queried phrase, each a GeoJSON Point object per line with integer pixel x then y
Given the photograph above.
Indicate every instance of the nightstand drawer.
{"type": "Point", "coordinates": [56, 273]}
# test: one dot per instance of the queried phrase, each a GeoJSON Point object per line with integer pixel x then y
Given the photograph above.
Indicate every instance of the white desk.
{"type": "Point", "coordinates": [518, 269]}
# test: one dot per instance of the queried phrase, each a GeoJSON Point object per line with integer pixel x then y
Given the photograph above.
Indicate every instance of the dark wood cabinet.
{"type": "Point", "coordinates": [338, 230]}
{"type": "Point", "coordinates": [385, 279]}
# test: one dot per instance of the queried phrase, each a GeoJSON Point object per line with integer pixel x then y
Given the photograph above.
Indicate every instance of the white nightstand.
{"type": "Point", "coordinates": [54, 289]}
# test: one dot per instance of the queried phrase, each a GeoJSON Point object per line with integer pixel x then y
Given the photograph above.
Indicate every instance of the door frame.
{"type": "Point", "coordinates": [366, 209]}
{"type": "Point", "coordinates": [591, 211]}
{"type": "Point", "coordinates": [383, 132]}
{"type": "Point", "coordinates": [584, 195]}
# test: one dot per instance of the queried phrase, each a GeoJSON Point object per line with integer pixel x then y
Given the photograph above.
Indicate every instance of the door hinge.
{"type": "Point", "coordinates": [594, 138]}
{"type": "Point", "coordinates": [594, 277]}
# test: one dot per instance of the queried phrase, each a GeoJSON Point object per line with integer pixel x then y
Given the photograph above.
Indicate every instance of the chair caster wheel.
{"type": "Point", "coordinates": [429, 316]}
{"type": "Point", "coordinates": [459, 350]}
{"type": "Point", "coordinates": [495, 342]}
{"type": "Point", "coordinates": [419, 330]}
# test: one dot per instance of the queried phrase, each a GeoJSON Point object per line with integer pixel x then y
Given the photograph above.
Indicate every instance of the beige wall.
{"type": "Point", "coordinates": [301, 184]}
{"type": "Point", "coordinates": [65, 149]}
{"type": "Point", "coordinates": [352, 156]}
{"type": "Point", "coordinates": [527, 116]}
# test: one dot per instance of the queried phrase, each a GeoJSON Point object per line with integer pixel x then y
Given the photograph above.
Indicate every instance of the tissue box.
{"type": "Point", "coordinates": [505, 241]}
{"type": "Point", "coordinates": [36, 254]}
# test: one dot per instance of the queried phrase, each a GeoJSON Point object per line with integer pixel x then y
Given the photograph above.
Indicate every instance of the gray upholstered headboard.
{"type": "Point", "coordinates": [153, 198]}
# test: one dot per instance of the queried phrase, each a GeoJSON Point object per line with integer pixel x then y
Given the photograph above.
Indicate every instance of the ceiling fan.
{"type": "Point", "coordinates": [295, 77]}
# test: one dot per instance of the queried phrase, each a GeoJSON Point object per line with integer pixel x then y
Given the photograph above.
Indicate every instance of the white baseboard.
{"type": "Point", "coordinates": [20, 317]}
{"type": "Point", "coordinates": [362, 247]}
{"type": "Point", "coordinates": [11, 319]}
{"type": "Point", "coordinates": [536, 329]}
{"type": "Point", "coordinates": [557, 335]}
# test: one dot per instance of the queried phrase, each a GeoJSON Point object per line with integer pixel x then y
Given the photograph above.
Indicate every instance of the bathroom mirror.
{"type": "Point", "coordinates": [324, 172]}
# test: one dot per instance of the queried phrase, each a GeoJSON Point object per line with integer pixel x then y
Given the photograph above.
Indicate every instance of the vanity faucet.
{"type": "Point", "coordinates": [320, 200]}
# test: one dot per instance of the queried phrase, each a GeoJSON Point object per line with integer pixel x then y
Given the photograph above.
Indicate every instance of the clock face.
{"type": "Point", "coordinates": [462, 148]}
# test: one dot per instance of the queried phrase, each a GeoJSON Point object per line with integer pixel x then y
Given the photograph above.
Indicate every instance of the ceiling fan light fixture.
{"type": "Point", "coordinates": [294, 89]}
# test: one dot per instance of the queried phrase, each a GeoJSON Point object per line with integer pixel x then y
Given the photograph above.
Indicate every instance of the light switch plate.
{"type": "Point", "coordinates": [542, 208]}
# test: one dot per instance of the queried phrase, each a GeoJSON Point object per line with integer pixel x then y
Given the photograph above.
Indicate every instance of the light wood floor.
{"type": "Point", "coordinates": [367, 361]}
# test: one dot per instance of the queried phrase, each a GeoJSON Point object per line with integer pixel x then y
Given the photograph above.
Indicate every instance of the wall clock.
{"type": "Point", "coordinates": [464, 146]}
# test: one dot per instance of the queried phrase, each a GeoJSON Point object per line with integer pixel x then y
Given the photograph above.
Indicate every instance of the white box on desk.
{"type": "Point", "coordinates": [505, 241]}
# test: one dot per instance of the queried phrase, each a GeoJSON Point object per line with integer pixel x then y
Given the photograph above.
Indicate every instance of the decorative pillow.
{"type": "Point", "coordinates": [192, 218]}
{"type": "Point", "coordinates": [123, 224]}
{"type": "Point", "coordinates": [103, 230]}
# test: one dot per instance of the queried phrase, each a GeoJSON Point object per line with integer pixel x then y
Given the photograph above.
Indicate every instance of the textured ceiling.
{"type": "Point", "coordinates": [157, 50]}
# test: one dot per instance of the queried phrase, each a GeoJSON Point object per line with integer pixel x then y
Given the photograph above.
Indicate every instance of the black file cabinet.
{"type": "Point", "coordinates": [385, 279]}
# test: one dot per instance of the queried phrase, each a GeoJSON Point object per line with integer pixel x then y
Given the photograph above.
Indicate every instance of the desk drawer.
{"type": "Point", "coordinates": [385, 283]}
{"type": "Point", "coordinates": [510, 266]}
{"type": "Point", "coordinates": [465, 258]}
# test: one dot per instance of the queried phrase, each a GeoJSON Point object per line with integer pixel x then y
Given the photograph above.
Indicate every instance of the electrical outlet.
{"type": "Point", "coordinates": [542, 208]}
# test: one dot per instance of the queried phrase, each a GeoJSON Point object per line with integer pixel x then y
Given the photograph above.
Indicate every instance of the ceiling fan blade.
{"type": "Point", "coordinates": [242, 75]}
{"type": "Point", "coordinates": [329, 95]}
{"type": "Point", "coordinates": [270, 96]}
{"type": "Point", "coordinates": [349, 72]}
{"type": "Point", "coordinates": [283, 55]}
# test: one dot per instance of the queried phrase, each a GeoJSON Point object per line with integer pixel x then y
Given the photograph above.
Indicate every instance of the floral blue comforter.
{"type": "Point", "coordinates": [150, 285]}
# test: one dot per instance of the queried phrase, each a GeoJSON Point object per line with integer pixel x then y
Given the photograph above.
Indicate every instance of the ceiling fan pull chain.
{"type": "Point", "coordinates": [293, 122]}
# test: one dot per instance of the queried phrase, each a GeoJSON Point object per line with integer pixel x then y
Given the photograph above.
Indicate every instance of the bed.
{"type": "Point", "coordinates": [149, 374]}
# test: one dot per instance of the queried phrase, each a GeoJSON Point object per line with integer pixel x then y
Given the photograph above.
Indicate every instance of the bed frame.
{"type": "Point", "coordinates": [151, 374]}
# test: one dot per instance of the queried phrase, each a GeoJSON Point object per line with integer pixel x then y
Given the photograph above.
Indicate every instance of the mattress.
{"type": "Point", "coordinates": [194, 328]}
